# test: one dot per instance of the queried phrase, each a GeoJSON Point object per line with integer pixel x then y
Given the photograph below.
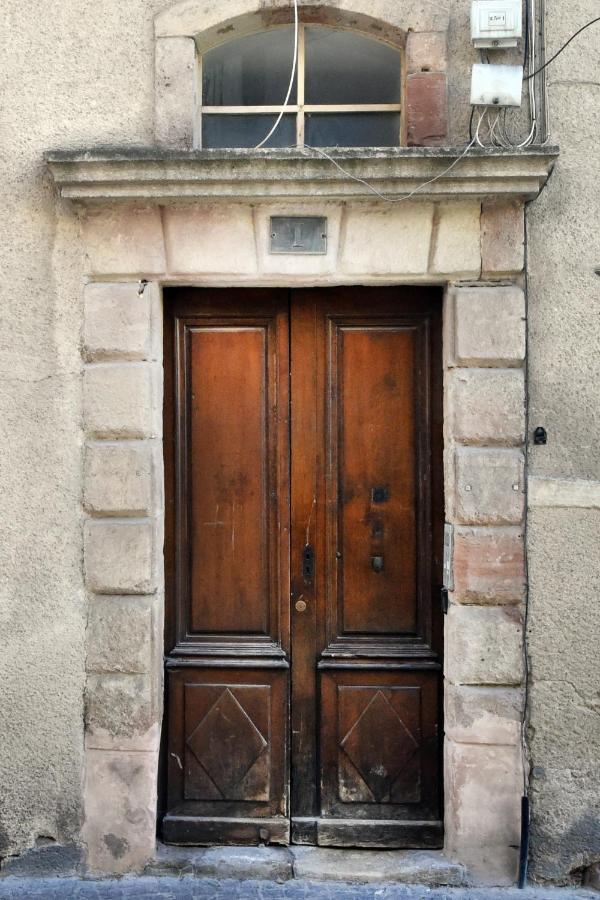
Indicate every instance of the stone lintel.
{"type": "Point", "coordinates": [154, 176]}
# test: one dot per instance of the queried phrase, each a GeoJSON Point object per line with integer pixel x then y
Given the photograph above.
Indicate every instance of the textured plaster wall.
{"type": "Point", "coordinates": [564, 375]}
{"type": "Point", "coordinates": [73, 73]}
{"type": "Point", "coordinates": [81, 73]}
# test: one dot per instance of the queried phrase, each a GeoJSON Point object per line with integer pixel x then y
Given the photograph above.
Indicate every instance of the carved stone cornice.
{"type": "Point", "coordinates": [152, 175]}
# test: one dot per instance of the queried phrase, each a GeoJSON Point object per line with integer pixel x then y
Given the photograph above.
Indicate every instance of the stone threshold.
{"type": "Point", "coordinates": [279, 864]}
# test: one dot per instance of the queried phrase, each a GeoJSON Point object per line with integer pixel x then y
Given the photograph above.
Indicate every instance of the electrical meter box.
{"type": "Point", "coordinates": [496, 85]}
{"type": "Point", "coordinates": [496, 23]}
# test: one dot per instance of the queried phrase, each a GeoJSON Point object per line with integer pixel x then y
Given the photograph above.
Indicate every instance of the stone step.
{"type": "Point", "coordinates": [423, 867]}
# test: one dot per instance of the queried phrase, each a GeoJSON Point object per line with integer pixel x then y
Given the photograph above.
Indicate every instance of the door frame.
{"type": "Point", "coordinates": [123, 385]}
{"type": "Point", "coordinates": [421, 305]}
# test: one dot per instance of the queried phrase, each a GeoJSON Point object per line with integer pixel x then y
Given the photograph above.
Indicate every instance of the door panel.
{"type": "Point", "coordinates": [366, 498]}
{"type": "Point", "coordinates": [380, 755]}
{"type": "Point", "coordinates": [227, 443]}
{"type": "Point", "coordinates": [312, 414]}
{"type": "Point", "coordinates": [227, 566]}
{"type": "Point", "coordinates": [227, 769]}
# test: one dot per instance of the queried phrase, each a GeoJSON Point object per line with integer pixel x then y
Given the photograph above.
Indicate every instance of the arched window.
{"type": "Point", "coordinates": [347, 91]}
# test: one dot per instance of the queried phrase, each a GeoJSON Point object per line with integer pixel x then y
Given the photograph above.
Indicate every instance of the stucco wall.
{"type": "Point", "coordinates": [80, 74]}
{"type": "Point", "coordinates": [564, 374]}
{"type": "Point", "coordinates": [73, 74]}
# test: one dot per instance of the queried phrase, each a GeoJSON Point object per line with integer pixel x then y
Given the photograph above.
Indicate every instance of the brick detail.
{"type": "Point", "coordinates": [484, 645]}
{"type": "Point", "coordinates": [483, 806]}
{"type": "Point", "coordinates": [120, 712]}
{"type": "Point", "coordinates": [124, 240]}
{"type": "Point", "coordinates": [116, 322]}
{"type": "Point", "coordinates": [455, 239]}
{"type": "Point", "coordinates": [120, 809]}
{"type": "Point", "coordinates": [118, 478]}
{"type": "Point", "coordinates": [119, 634]}
{"type": "Point", "coordinates": [119, 556]}
{"type": "Point", "coordinates": [426, 109]}
{"type": "Point", "coordinates": [483, 715]}
{"type": "Point", "coordinates": [486, 406]}
{"type": "Point", "coordinates": [489, 565]}
{"type": "Point", "coordinates": [119, 401]}
{"type": "Point", "coordinates": [426, 51]}
{"type": "Point", "coordinates": [489, 486]}
{"type": "Point", "coordinates": [502, 238]}
{"type": "Point", "coordinates": [488, 327]}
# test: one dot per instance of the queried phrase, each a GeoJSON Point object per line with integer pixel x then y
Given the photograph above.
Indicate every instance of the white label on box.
{"type": "Point", "coordinates": [497, 19]}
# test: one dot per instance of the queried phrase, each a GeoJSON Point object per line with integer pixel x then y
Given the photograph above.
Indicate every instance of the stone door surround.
{"type": "Point", "coordinates": [155, 217]}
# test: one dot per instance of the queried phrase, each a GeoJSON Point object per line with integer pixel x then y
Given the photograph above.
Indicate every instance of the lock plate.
{"type": "Point", "coordinates": [305, 235]}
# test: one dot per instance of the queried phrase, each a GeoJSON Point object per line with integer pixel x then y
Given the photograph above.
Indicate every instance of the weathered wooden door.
{"type": "Point", "coordinates": [304, 532]}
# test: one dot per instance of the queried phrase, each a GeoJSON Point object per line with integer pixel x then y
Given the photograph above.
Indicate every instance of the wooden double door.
{"type": "Point", "coordinates": [303, 542]}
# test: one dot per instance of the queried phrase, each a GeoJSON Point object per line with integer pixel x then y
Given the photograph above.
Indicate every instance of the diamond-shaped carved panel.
{"type": "Point", "coordinates": [380, 747]}
{"type": "Point", "coordinates": [227, 744]}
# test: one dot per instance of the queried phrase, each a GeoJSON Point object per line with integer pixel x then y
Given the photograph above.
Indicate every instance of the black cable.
{"type": "Point", "coordinates": [471, 123]}
{"type": "Point", "coordinates": [558, 52]}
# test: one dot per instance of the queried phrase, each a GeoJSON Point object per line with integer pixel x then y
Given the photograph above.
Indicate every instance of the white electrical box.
{"type": "Point", "coordinates": [496, 23]}
{"type": "Point", "coordinates": [496, 85]}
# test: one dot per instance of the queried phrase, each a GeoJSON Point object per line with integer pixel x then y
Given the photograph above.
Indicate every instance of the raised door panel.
{"type": "Point", "coordinates": [374, 462]}
{"type": "Point", "coordinates": [228, 538]}
{"type": "Point", "coordinates": [380, 748]}
{"type": "Point", "coordinates": [227, 760]}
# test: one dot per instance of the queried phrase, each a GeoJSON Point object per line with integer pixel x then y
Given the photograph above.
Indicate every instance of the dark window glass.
{"type": "Point", "coordinates": [250, 71]}
{"type": "Point", "coordinates": [343, 67]}
{"type": "Point", "coordinates": [353, 129]}
{"type": "Point", "coordinates": [247, 131]}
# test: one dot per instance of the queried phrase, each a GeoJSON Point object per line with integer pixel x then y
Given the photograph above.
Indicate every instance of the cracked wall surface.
{"type": "Point", "coordinates": [564, 537]}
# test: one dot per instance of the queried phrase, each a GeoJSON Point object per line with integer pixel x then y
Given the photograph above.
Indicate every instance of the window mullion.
{"type": "Point", "coordinates": [300, 86]}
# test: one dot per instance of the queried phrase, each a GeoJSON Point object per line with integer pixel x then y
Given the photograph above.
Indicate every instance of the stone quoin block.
{"type": "Point", "coordinates": [489, 486]}
{"type": "Point", "coordinates": [210, 239]}
{"type": "Point", "coordinates": [426, 51]}
{"type": "Point", "coordinates": [483, 787]}
{"type": "Point", "coordinates": [175, 88]}
{"type": "Point", "coordinates": [116, 322]}
{"type": "Point", "coordinates": [394, 240]}
{"type": "Point", "coordinates": [124, 240]}
{"type": "Point", "coordinates": [426, 109]}
{"type": "Point", "coordinates": [484, 645]}
{"type": "Point", "coordinates": [486, 406]}
{"type": "Point", "coordinates": [118, 478]}
{"type": "Point", "coordinates": [502, 238]}
{"type": "Point", "coordinates": [456, 240]}
{"type": "Point", "coordinates": [120, 401]}
{"type": "Point", "coordinates": [483, 715]}
{"type": "Point", "coordinates": [119, 556]}
{"type": "Point", "coordinates": [489, 326]}
{"type": "Point", "coordinates": [120, 795]}
{"type": "Point", "coordinates": [120, 712]}
{"type": "Point", "coordinates": [119, 634]}
{"type": "Point", "coordinates": [489, 565]}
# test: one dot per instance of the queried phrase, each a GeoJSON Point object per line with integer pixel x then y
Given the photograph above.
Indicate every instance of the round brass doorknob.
{"type": "Point", "coordinates": [300, 606]}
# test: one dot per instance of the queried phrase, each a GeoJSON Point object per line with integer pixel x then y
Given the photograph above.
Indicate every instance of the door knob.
{"type": "Point", "coordinates": [377, 563]}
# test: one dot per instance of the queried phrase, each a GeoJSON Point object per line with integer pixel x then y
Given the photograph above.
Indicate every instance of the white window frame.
{"type": "Point", "coordinates": [300, 108]}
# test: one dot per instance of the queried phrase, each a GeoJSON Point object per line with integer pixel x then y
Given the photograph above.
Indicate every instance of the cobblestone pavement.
{"type": "Point", "coordinates": [208, 889]}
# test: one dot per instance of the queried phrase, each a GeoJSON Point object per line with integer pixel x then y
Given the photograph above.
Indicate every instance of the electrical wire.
{"type": "Point", "coordinates": [564, 46]}
{"type": "Point", "coordinates": [378, 193]}
{"type": "Point", "coordinates": [292, 76]}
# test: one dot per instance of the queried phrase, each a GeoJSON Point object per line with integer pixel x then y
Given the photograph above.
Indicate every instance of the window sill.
{"type": "Point", "coordinates": [152, 175]}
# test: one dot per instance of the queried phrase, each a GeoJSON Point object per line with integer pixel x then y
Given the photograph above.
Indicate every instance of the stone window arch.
{"type": "Point", "coordinates": [190, 32]}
